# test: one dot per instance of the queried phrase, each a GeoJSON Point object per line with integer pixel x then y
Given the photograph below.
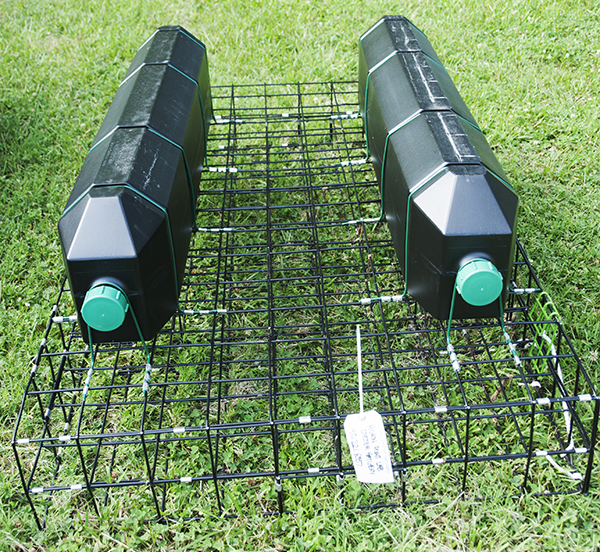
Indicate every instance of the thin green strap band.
{"type": "Point", "coordinates": [192, 38]}
{"type": "Point", "coordinates": [379, 64]}
{"type": "Point", "coordinates": [169, 141]}
{"type": "Point", "coordinates": [196, 83]}
{"type": "Point", "coordinates": [152, 202]}
{"type": "Point", "coordinates": [148, 371]}
{"type": "Point", "coordinates": [451, 313]}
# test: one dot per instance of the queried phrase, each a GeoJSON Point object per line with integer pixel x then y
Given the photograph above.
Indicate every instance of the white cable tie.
{"type": "Point", "coordinates": [278, 487]}
{"type": "Point", "coordinates": [146, 384]}
{"type": "Point", "coordinates": [363, 221]}
{"type": "Point", "coordinates": [535, 384]}
{"type": "Point", "coordinates": [366, 301]}
{"type": "Point", "coordinates": [47, 413]}
{"type": "Point", "coordinates": [180, 429]}
{"type": "Point", "coordinates": [543, 400]}
{"type": "Point", "coordinates": [585, 398]}
{"type": "Point", "coordinates": [438, 461]}
{"type": "Point", "coordinates": [86, 385]}
{"type": "Point", "coordinates": [313, 470]}
{"type": "Point", "coordinates": [441, 409]}
{"type": "Point", "coordinates": [222, 169]}
{"type": "Point", "coordinates": [513, 349]}
{"type": "Point", "coordinates": [76, 487]}
{"type": "Point", "coordinates": [522, 291]}
{"type": "Point", "coordinates": [347, 115]}
{"type": "Point", "coordinates": [216, 230]}
{"type": "Point", "coordinates": [187, 479]}
{"type": "Point", "coordinates": [204, 312]}
{"type": "Point", "coordinates": [220, 121]}
{"type": "Point", "coordinates": [581, 450]}
{"type": "Point", "coordinates": [453, 358]}
{"type": "Point", "coordinates": [575, 475]}
{"type": "Point", "coordinates": [541, 453]}
{"type": "Point", "coordinates": [23, 441]}
{"type": "Point", "coordinates": [64, 438]}
{"type": "Point", "coordinates": [66, 427]}
{"type": "Point", "coordinates": [36, 490]}
{"type": "Point", "coordinates": [43, 342]}
{"type": "Point", "coordinates": [304, 419]}
{"type": "Point", "coordinates": [34, 369]}
{"type": "Point", "coordinates": [64, 319]}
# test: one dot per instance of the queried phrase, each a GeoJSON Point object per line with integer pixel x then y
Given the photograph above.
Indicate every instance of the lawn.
{"type": "Point", "coordinates": [530, 73]}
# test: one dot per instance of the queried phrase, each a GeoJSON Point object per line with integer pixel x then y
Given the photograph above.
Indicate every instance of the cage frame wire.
{"type": "Point", "coordinates": [282, 208]}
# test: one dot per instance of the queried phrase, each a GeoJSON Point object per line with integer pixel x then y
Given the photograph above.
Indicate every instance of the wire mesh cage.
{"type": "Point", "coordinates": [243, 403]}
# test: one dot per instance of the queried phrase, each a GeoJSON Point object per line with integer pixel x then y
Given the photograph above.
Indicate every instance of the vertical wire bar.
{"type": "Point", "coordinates": [404, 458]}
{"type": "Point", "coordinates": [225, 213]}
{"type": "Point", "coordinates": [444, 387]}
{"type": "Point", "coordinates": [529, 450]}
{"type": "Point", "coordinates": [271, 320]}
{"type": "Point", "coordinates": [142, 432]}
{"type": "Point", "coordinates": [163, 406]}
{"type": "Point", "coordinates": [30, 382]}
{"type": "Point", "coordinates": [104, 421]}
{"type": "Point", "coordinates": [125, 387]}
{"type": "Point", "coordinates": [338, 422]}
{"type": "Point", "coordinates": [588, 472]}
{"type": "Point", "coordinates": [466, 462]}
{"type": "Point", "coordinates": [323, 310]}
{"type": "Point", "coordinates": [78, 440]}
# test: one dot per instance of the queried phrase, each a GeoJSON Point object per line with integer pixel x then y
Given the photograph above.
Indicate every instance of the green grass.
{"type": "Point", "coordinates": [529, 71]}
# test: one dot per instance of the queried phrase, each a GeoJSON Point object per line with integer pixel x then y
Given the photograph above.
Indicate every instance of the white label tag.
{"type": "Point", "coordinates": [369, 448]}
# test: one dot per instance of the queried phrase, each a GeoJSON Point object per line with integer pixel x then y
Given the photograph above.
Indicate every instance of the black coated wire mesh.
{"type": "Point", "coordinates": [243, 408]}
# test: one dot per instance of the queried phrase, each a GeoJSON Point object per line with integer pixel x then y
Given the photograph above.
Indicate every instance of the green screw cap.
{"type": "Point", "coordinates": [104, 308]}
{"type": "Point", "coordinates": [479, 282]}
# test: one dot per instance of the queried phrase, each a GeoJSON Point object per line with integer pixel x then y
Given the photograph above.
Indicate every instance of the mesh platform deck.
{"type": "Point", "coordinates": [244, 406]}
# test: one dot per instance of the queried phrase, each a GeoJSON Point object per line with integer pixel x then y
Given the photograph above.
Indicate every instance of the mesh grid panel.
{"type": "Point", "coordinates": [248, 391]}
